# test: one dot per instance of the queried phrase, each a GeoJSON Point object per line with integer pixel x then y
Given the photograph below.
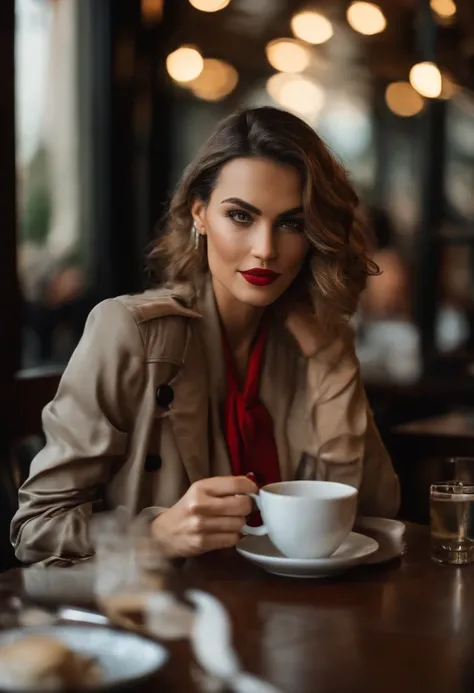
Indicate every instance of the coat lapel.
{"type": "Point", "coordinates": [211, 339]}
{"type": "Point", "coordinates": [188, 412]}
{"type": "Point", "coordinates": [277, 391]}
{"type": "Point", "coordinates": [199, 389]}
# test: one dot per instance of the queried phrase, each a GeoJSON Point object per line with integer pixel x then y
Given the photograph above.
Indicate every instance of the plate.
{"type": "Point", "coordinates": [354, 550]}
{"type": "Point", "coordinates": [124, 658]}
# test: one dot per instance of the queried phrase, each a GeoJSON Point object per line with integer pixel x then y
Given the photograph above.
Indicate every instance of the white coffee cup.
{"type": "Point", "coordinates": [305, 519]}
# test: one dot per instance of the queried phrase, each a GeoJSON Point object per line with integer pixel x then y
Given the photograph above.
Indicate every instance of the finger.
{"type": "Point", "coordinates": [219, 525]}
{"type": "Point", "coordinates": [231, 506]}
{"type": "Point", "coordinates": [219, 486]}
{"type": "Point", "coordinates": [214, 542]}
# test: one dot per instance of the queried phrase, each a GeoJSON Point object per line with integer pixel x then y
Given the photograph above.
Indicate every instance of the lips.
{"type": "Point", "coordinates": [260, 277]}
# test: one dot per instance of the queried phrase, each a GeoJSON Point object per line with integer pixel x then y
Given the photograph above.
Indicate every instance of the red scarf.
{"type": "Point", "coordinates": [248, 425]}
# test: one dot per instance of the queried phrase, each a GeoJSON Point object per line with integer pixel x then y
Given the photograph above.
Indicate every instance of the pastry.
{"type": "Point", "coordinates": [42, 663]}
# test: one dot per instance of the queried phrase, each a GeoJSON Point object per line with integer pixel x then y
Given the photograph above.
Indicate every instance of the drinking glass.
{"type": "Point", "coordinates": [129, 568]}
{"type": "Point", "coordinates": [459, 468]}
{"type": "Point", "coordinates": [452, 522]}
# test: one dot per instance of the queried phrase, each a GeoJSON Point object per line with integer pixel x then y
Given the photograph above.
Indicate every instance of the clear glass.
{"type": "Point", "coordinates": [459, 468]}
{"type": "Point", "coordinates": [452, 522]}
{"type": "Point", "coordinates": [129, 569]}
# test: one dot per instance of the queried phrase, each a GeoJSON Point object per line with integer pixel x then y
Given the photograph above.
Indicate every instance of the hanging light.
{"type": "Point", "coordinates": [311, 27]}
{"type": "Point", "coordinates": [296, 93]}
{"type": "Point", "coordinates": [426, 79]}
{"type": "Point", "coordinates": [216, 81]}
{"type": "Point", "coordinates": [403, 100]}
{"type": "Point", "coordinates": [366, 18]}
{"type": "Point", "coordinates": [184, 64]}
{"type": "Point", "coordinates": [209, 5]}
{"type": "Point", "coordinates": [443, 8]}
{"type": "Point", "coordinates": [287, 55]}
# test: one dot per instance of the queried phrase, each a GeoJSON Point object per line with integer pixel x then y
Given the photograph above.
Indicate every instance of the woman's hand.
{"type": "Point", "coordinates": [209, 516]}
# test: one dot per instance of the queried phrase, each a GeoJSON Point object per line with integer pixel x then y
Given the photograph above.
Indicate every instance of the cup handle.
{"type": "Point", "coordinates": [255, 531]}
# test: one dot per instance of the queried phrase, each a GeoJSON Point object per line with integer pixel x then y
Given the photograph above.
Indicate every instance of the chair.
{"type": "Point", "coordinates": [33, 390]}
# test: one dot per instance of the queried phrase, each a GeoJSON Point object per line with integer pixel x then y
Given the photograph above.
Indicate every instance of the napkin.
{"type": "Point", "coordinates": [208, 627]}
{"type": "Point", "coordinates": [211, 640]}
{"type": "Point", "coordinates": [390, 535]}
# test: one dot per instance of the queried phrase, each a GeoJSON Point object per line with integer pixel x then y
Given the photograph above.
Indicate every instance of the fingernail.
{"type": "Point", "coordinates": [251, 476]}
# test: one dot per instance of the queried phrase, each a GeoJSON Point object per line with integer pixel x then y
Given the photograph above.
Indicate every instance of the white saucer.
{"type": "Point", "coordinates": [354, 550]}
{"type": "Point", "coordinates": [390, 535]}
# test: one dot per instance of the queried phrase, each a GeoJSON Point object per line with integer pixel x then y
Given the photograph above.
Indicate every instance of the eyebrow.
{"type": "Point", "coordinates": [256, 210]}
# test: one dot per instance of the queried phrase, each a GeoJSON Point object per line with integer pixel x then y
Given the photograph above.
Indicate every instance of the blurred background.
{"type": "Point", "coordinates": [114, 97]}
{"type": "Point", "coordinates": [106, 101]}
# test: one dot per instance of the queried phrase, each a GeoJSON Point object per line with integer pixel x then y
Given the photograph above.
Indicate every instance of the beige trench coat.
{"type": "Point", "coordinates": [109, 443]}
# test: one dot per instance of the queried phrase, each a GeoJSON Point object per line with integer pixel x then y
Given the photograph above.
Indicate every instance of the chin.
{"type": "Point", "coordinates": [259, 297]}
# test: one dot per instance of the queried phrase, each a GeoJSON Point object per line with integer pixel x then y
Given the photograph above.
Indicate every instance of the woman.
{"type": "Point", "coordinates": [235, 371]}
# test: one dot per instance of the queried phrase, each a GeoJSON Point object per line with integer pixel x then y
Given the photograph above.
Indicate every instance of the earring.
{"type": "Point", "coordinates": [195, 235]}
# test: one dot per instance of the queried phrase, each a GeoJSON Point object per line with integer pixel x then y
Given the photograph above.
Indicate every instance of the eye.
{"type": "Point", "coordinates": [292, 224]}
{"type": "Point", "coordinates": [239, 217]}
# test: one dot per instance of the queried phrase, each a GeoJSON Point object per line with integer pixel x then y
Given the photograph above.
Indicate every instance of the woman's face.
{"type": "Point", "coordinates": [255, 229]}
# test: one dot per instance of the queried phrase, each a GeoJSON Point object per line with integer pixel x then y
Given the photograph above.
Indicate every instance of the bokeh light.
{"type": "Point", "coordinates": [366, 18]}
{"type": "Point", "coordinates": [216, 81]}
{"type": "Point", "coordinates": [311, 27]}
{"type": "Point", "coordinates": [403, 100]}
{"type": "Point", "coordinates": [426, 78]}
{"type": "Point", "coordinates": [288, 55]}
{"type": "Point", "coordinates": [297, 94]}
{"type": "Point", "coordinates": [209, 5]}
{"type": "Point", "coordinates": [184, 64]}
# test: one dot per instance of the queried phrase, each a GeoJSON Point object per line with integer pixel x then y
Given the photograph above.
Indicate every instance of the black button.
{"type": "Point", "coordinates": [153, 463]}
{"type": "Point", "coordinates": [164, 396]}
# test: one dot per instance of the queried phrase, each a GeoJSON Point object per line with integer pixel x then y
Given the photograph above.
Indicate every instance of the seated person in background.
{"type": "Point", "coordinates": [239, 365]}
{"type": "Point", "coordinates": [387, 295]}
{"type": "Point", "coordinates": [387, 339]}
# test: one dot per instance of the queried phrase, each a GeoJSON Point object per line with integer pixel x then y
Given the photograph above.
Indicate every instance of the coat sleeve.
{"type": "Point", "coordinates": [86, 428]}
{"type": "Point", "coordinates": [344, 439]}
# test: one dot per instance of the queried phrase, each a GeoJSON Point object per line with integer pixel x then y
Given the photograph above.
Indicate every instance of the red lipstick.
{"type": "Point", "coordinates": [260, 277]}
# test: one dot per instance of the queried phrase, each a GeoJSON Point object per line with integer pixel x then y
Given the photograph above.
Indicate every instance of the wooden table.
{"type": "Point", "coordinates": [407, 626]}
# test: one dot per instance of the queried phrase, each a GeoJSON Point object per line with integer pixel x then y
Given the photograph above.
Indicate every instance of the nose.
{"type": "Point", "coordinates": [264, 245]}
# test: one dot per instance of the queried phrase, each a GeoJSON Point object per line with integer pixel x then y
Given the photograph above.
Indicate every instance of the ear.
{"type": "Point", "coordinates": [199, 213]}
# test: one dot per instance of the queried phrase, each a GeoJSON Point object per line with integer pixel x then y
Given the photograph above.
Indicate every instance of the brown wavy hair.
{"type": "Point", "coordinates": [338, 263]}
